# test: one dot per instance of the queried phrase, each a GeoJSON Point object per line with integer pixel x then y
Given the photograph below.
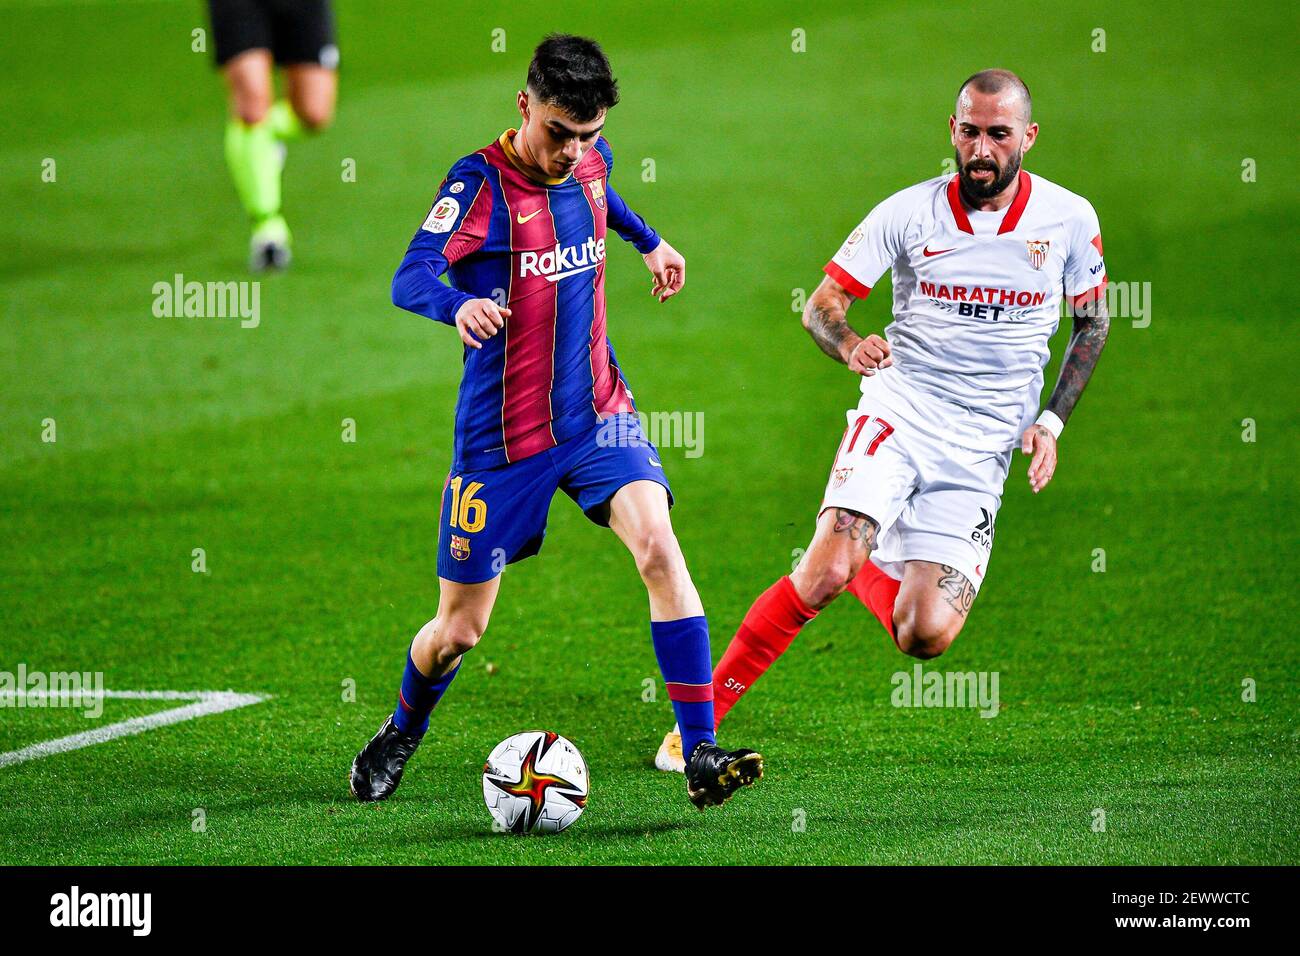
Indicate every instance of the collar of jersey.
{"type": "Point", "coordinates": [508, 148]}
{"type": "Point", "coordinates": [1010, 219]}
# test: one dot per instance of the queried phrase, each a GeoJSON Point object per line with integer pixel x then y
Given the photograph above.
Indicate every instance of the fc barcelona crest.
{"type": "Point", "coordinates": [597, 193]}
{"type": "Point", "coordinates": [1038, 251]}
{"type": "Point", "coordinates": [459, 547]}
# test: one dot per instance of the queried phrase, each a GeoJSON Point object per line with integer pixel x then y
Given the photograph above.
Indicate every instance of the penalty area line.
{"type": "Point", "coordinates": [205, 703]}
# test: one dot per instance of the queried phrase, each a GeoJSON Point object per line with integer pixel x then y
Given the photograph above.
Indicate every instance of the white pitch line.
{"type": "Point", "coordinates": [110, 694]}
{"type": "Point", "coordinates": [205, 704]}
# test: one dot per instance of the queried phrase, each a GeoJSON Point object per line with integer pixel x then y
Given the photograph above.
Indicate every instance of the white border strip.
{"type": "Point", "coordinates": [206, 703]}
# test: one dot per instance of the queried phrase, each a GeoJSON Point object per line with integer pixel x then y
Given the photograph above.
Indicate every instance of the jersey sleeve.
{"type": "Point", "coordinates": [607, 154]}
{"type": "Point", "coordinates": [870, 249]}
{"type": "Point", "coordinates": [455, 227]}
{"type": "Point", "coordinates": [620, 217]}
{"type": "Point", "coordinates": [628, 224]}
{"type": "Point", "coordinates": [1085, 268]}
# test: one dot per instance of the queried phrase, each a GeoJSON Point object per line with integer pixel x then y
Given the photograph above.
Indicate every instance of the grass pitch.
{"type": "Point", "coordinates": [1121, 690]}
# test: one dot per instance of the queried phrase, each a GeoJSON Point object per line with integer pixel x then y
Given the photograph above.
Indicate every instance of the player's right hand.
{"type": "Point", "coordinates": [868, 355]}
{"type": "Point", "coordinates": [480, 319]}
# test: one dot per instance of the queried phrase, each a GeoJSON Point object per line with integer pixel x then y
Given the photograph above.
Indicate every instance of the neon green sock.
{"type": "Point", "coordinates": [284, 121]}
{"type": "Point", "coordinates": [255, 160]}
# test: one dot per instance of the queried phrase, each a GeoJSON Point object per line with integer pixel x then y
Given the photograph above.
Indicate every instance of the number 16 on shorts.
{"type": "Point", "coordinates": [467, 512]}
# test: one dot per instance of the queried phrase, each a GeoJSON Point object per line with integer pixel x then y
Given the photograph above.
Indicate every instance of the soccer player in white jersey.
{"type": "Point", "coordinates": [980, 262]}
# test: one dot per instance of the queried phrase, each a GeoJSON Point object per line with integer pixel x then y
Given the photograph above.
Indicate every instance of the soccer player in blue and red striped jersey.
{"type": "Point", "coordinates": [520, 228]}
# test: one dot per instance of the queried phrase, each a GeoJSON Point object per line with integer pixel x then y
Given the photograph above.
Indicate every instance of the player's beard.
{"type": "Point", "coordinates": [1002, 178]}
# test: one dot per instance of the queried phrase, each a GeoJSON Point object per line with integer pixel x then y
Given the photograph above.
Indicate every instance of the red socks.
{"type": "Point", "coordinates": [769, 627]}
{"type": "Point", "coordinates": [772, 623]}
{"type": "Point", "coordinates": [878, 591]}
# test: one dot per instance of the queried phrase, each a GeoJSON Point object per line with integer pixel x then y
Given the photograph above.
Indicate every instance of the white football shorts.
{"type": "Point", "coordinates": [934, 500]}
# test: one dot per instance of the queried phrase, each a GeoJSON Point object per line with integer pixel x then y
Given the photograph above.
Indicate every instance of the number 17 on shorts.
{"type": "Point", "coordinates": [872, 475]}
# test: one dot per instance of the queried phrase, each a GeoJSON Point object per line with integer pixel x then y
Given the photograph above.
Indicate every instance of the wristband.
{"type": "Point", "coordinates": [1051, 422]}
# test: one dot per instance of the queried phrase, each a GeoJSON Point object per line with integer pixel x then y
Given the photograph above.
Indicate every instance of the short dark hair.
{"type": "Point", "coordinates": [995, 81]}
{"type": "Point", "coordinates": [573, 73]}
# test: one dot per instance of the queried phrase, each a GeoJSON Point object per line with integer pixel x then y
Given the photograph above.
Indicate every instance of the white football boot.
{"type": "Point", "coordinates": [669, 758]}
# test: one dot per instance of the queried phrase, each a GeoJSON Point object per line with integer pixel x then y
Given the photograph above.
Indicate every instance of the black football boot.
{"type": "Point", "coordinates": [714, 774]}
{"type": "Point", "coordinates": [377, 770]}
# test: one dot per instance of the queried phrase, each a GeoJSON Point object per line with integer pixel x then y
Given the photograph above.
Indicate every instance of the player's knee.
{"type": "Point", "coordinates": [251, 106]}
{"type": "Point", "coordinates": [454, 646]}
{"type": "Point", "coordinates": [823, 588]}
{"type": "Point", "coordinates": [923, 636]}
{"type": "Point", "coordinates": [821, 581]}
{"type": "Point", "coordinates": [459, 636]}
{"type": "Point", "coordinates": [922, 646]}
{"type": "Point", "coordinates": [826, 572]}
{"type": "Point", "coordinates": [315, 116]}
{"type": "Point", "coordinates": [658, 556]}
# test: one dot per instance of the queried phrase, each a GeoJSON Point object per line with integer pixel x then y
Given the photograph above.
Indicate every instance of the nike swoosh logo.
{"type": "Point", "coordinates": [557, 276]}
{"type": "Point", "coordinates": [521, 218]}
{"type": "Point", "coordinates": [655, 463]}
{"type": "Point", "coordinates": [927, 252]}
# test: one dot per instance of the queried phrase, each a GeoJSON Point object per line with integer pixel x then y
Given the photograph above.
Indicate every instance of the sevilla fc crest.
{"type": "Point", "coordinates": [597, 193]}
{"type": "Point", "coordinates": [1038, 251]}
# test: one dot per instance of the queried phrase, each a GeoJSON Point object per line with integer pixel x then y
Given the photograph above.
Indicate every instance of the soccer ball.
{"type": "Point", "coordinates": [535, 782]}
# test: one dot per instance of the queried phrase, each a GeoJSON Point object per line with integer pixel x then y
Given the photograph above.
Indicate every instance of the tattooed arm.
{"type": "Point", "coordinates": [825, 319]}
{"type": "Point", "coordinates": [1091, 327]}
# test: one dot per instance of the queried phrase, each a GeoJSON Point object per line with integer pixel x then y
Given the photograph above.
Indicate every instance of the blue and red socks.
{"type": "Point", "coordinates": [682, 649]}
{"type": "Point", "coordinates": [418, 696]}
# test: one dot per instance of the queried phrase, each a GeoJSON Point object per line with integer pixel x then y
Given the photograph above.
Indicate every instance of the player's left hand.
{"type": "Point", "coordinates": [1040, 443]}
{"type": "Point", "coordinates": [669, 270]}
